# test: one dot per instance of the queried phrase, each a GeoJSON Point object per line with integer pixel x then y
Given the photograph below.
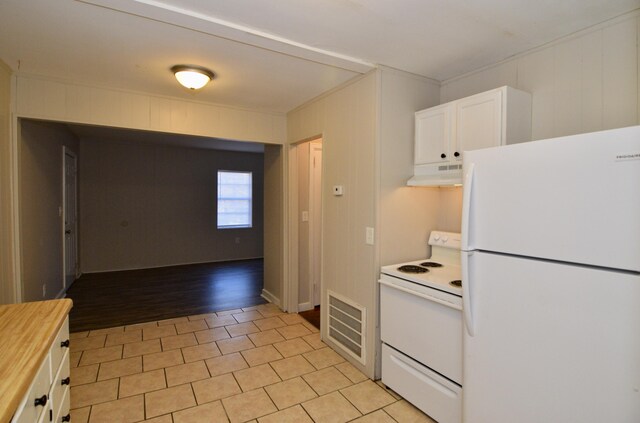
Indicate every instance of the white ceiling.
{"type": "Point", "coordinates": [276, 54]}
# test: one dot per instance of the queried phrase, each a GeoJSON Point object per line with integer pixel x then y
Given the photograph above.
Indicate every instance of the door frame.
{"type": "Point", "coordinates": [315, 295]}
{"type": "Point", "coordinates": [68, 152]}
{"type": "Point", "coordinates": [291, 290]}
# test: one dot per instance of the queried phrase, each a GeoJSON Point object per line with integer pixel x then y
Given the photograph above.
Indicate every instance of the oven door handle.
{"type": "Point", "coordinates": [419, 294]}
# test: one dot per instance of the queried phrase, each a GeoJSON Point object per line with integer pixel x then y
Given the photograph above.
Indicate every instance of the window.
{"type": "Point", "coordinates": [234, 199]}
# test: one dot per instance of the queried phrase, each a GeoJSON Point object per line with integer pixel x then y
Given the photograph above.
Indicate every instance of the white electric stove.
{"type": "Point", "coordinates": [421, 329]}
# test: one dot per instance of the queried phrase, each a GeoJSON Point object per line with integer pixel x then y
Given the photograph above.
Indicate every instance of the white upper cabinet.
{"type": "Point", "coordinates": [434, 129]}
{"type": "Point", "coordinates": [478, 122]}
{"type": "Point", "coordinates": [443, 133]}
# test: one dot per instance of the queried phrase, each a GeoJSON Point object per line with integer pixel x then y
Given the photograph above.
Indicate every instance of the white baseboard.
{"type": "Point", "coordinates": [305, 306]}
{"type": "Point", "coordinates": [270, 297]}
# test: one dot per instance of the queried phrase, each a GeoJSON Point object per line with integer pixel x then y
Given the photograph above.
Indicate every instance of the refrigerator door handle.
{"type": "Point", "coordinates": [466, 206]}
{"type": "Point", "coordinates": [467, 311]}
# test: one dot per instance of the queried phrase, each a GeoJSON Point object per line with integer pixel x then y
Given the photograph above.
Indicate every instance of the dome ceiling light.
{"type": "Point", "coordinates": [191, 76]}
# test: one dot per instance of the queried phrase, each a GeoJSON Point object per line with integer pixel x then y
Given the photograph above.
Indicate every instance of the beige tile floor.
{"type": "Point", "coordinates": [255, 364]}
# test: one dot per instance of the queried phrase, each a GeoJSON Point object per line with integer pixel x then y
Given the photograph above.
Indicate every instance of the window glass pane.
{"type": "Point", "coordinates": [234, 199]}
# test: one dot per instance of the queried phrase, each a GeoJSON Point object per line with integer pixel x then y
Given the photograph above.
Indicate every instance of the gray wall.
{"type": "Point", "coordinates": [144, 205]}
{"type": "Point", "coordinates": [274, 222]}
{"type": "Point", "coordinates": [40, 162]}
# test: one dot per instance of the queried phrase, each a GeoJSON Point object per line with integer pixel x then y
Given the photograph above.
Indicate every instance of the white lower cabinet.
{"type": "Point", "coordinates": [47, 399]}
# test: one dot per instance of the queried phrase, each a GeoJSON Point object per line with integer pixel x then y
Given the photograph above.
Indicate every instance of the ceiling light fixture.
{"type": "Point", "coordinates": [191, 76]}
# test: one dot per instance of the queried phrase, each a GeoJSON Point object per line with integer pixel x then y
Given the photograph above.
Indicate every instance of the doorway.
{"type": "Point", "coordinates": [309, 206]}
{"type": "Point", "coordinates": [69, 216]}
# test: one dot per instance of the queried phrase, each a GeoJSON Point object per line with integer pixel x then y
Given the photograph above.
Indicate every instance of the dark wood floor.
{"type": "Point", "coordinates": [312, 316]}
{"type": "Point", "coordinates": [102, 300]}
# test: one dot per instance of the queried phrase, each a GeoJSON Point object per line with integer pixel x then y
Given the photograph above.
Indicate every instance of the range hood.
{"type": "Point", "coordinates": [436, 175]}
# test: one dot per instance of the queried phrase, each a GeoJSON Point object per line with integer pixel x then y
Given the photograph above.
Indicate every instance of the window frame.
{"type": "Point", "coordinates": [218, 198]}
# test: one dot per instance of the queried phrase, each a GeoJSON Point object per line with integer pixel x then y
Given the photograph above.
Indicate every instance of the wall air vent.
{"type": "Point", "coordinates": [346, 325]}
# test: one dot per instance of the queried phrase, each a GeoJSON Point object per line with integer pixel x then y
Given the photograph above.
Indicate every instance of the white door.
{"type": "Point", "coordinates": [315, 221]}
{"type": "Point", "coordinates": [550, 342]}
{"type": "Point", "coordinates": [69, 216]}
{"type": "Point", "coordinates": [433, 135]}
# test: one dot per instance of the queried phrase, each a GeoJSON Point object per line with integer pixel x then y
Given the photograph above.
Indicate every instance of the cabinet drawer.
{"type": "Point", "coordinates": [28, 412]}
{"type": "Point", "coordinates": [63, 407]}
{"type": "Point", "coordinates": [435, 395]}
{"type": "Point", "coordinates": [60, 384]}
{"type": "Point", "coordinates": [60, 346]}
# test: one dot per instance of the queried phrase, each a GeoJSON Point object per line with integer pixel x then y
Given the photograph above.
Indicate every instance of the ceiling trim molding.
{"type": "Point", "coordinates": [188, 19]}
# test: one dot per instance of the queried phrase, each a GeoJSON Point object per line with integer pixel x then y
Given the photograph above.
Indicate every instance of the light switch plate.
{"type": "Point", "coordinates": [338, 190]}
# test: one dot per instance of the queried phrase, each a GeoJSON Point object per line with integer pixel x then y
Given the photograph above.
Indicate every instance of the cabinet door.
{"type": "Point", "coordinates": [479, 122]}
{"type": "Point", "coordinates": [433, 135]}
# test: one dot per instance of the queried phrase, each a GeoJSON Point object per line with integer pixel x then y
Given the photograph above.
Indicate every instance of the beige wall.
{"type": "Point", "coordinates": [583, 83]}
{"type": "Point", "coordinates": [145, 205]}
{"type": "Point", "coordinates": [347, 120]}
{"type": "Point", "coordinates": [274, 225]}
{"type": "Point", "coordinates": [43, 98]}
{"type": "Point", "coordinates": [407, 214]}
{"type": "Point", "coordinates": [41, 240]}
{"type": "Point", "coordinates": [6, 257]}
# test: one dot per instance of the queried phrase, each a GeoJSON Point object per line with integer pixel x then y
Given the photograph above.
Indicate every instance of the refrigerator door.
{"type": "Point", "coordinates": [551, 343]}
{"type": "Point", "coordinates": [573, 199]}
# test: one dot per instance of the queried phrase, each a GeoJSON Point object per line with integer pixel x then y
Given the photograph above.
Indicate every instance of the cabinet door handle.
{"type": "Point", "coordinates": [42, 401]}
{"type": "Point", "coordinates": [456, 154]}
{"type": "Point", "coordinates": [443, 156]}
{"type": "Point", "coordinates": [64, 344]}
{"type": "Point", "coordinates": [66, 418]}
{"type": "Point", "coordinates": [65, 381]}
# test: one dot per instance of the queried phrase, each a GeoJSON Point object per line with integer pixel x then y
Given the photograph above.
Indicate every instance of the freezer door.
{"type": "Point", "coordinates": [551, 342]}
{"type": "Point", "coordinates": [573, 199]}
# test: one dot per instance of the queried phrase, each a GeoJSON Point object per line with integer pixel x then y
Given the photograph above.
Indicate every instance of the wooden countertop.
{"type": "Point", "coordinates": [26, 333]}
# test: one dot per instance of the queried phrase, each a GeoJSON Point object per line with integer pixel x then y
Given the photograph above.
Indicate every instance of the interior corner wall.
{"type": "Point", "coordinates": [145, 205]}
{"type": "Point", "coordinates": [7, 294]}
{"type": "Point", "coordinates": [40, 167]}
{"type": "Point", "coordinates": [274, 226]}
{"type": "Point", "coordinates": [582, 83]}
{"type": "Point", "coordinates": [347, 120]}
{"type": "Point", "coordinates": [407, 214]}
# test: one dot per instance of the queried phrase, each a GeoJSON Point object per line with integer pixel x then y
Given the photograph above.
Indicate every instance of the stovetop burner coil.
{"type": "Point", "coordinates": [409, 268]}
{"type": "Point", "coordinates": [430, 264]}
{"type": "Point", "coordinates": [457, 283]}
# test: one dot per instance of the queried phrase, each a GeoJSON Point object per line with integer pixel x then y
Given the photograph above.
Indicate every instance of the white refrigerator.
{"type": "Point", "coordinates": [551, 280]}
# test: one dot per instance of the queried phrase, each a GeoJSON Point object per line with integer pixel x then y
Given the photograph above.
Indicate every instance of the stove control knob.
{"type": "Point", "coordinates": [445, 239]}
{"type": "Point", "coordinates": [436, 237]}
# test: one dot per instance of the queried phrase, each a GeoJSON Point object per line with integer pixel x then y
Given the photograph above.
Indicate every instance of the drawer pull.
{"type": "Point", "coordinates": [65, 381]}
{"type": "Point", "coordinates": [64, 344]}
{"type": "Point", "coordinates": [40, 401]}
{"type": "Point", "coordinates": [66, 418]}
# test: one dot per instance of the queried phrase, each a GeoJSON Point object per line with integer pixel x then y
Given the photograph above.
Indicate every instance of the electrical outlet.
{"type": "Point", "coordinates": [369, 236]}
{"type": "Point", "coordinates": [44, 291]}
{"type": "Point", "coordinates": [305, 216]}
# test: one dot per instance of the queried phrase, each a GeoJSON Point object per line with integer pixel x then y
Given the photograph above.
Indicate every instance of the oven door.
{"type": "Point", "coordinates": [423, 323]}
